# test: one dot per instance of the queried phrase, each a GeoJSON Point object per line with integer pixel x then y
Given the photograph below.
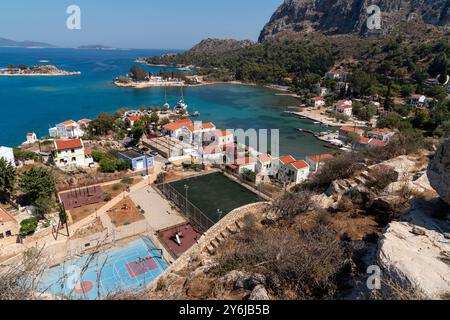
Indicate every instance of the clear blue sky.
{"type": "Point", "coordinates": [171, 24]}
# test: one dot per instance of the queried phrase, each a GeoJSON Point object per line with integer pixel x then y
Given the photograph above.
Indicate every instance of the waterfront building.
{"type": "Point", "coordinates": [292, 171]}
{"type": "Point", "coordinates": [31, 138]}
{"type": "Point", "coordinates": [365, 143]}
{"type": "Point", "coordinates": [71, 153]}
{"type": "Point", "coordinates": [264, 165]}
{"type": "Point", "coordinates": [344, 106]}
{"type": "Point", "coordinates": [316, 161]}
{"type": "Point", "coordinates": [8, 154]}
{"type": "Point", "coordinates": [317, 102]}
{"type": "Point", "coordinates": [345, 131]}
{"type": "Point", "coordinates": [69, 129]}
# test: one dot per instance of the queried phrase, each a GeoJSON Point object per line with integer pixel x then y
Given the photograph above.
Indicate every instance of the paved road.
{"type": "Point", "coordinates": [157, 209]}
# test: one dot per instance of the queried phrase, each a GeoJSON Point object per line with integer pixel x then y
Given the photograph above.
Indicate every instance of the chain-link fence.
{"type": "Point", "coordinates": [194, 214]}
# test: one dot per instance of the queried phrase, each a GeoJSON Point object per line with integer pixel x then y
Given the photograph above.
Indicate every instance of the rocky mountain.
{"type": "Point", "coordinates": [23, 44]}
{"type": "Point", "coordinates": [350, 16]}
{"type": "Point", "coordinates": [212, 46]}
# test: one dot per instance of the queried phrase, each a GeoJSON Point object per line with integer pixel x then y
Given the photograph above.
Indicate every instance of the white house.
{"type": "Point", "coordinates": [283, 168]}
{"type": "Point", "coordinates": [218, 137]}
{"type": "Point", "coordinates": [384, 134]}
{"type": "Point", "coordinates": [292, 171]}
{"type": "Point", "coordinates": [418, 100]}
{"type": "Point", "coordinates": [71, 153]}
{"type": "Point", "coordinates": [317, 102]}
{"type": "Point", "coordinates": [69, 129]}
{"type": "Point", "coordinates": [315, 162]}
{"type": "Point", "coordinates": [185, 130]}
{"type": "Point", "coordinates": [344, 107]}
{"type": "Point", "coordinates": [31, 138]}
{"type": "Point", "coordinates": [7, 154]}
{"type": "Point", "coordinates": [264, 165]}
{"type": "Point", "coordinates": [337, 75]}
{"type": "Point", "coordinates": [246, 163]}
{"type": "Point", "coordinates": [321, 91]}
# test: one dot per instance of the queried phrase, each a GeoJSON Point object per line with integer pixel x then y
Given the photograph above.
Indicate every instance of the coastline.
{"type": "Point", "coordinates": [77, 73]}
{"type": "Point", "coordinates": [325, 120]}
{"type": "Point", "coordinates": [146, 85]}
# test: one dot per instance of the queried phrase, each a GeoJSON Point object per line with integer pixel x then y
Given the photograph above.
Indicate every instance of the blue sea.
{"type": "Point", "coordinates": [33, 104]}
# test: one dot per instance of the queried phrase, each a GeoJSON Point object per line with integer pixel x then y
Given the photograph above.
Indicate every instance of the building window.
{"type": "Point", "coordinates": [1, 236]}
{"type": "Point", "coordinates": [74, 159]}
{"type": "Point", "coordinates": [73, 150]}
{"type": "Point", "coordinates": [8, 233]}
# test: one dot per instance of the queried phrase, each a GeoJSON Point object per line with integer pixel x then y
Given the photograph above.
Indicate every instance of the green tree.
{"type": "Point", "coordinates": [108, 165]}
{"type": "Point", "coordinates": [37, 183]}
{"type": "Point", "coordinates": [8, 177]}
{"type": "Point", "coordinates": [102, 125]}
{"type": "Point", "coordinates": [138, 73]}
{"type": "Point", "coordinates": [28, 226]}
{"type": "Point", "coordinates": [43, 206]}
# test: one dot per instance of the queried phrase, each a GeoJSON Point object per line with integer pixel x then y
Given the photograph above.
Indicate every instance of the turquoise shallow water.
{"type": "Point", "coordinates": [35, 104]}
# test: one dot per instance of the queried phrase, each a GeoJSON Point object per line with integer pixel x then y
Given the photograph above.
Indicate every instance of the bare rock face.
{"type": "Point", "coordinates": [350, 16]}
{"type": "Point", "coordinates": [439, 171]}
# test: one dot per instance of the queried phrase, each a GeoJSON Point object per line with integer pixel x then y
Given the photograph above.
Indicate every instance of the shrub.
{"type": "Point", "coordinates": [28, 226]}
{"type": "Point", "coordinates": [127, 181]}
{"type": "Point", "coordinates": [292, 204]}
{"type": "Point", "coordinates": [297, 264]}
{"type": "Point", "coordinates": [116, 187]}
{"type": "Point", "coordinates": [108, 197]}
{"type": "Point", "coordinates": [249, 175]}
{"type": "Point", "coordinates": [108, 165]}
{"type": "Point", "coordinates": [381, 176]}
{"type": "Point", "coordinates": [341, 167]}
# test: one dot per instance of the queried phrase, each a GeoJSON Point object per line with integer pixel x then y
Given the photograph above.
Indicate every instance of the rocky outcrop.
{"type": "Point", "coordinates": [416, 250]}
{"type": "Point", "coordinates": [350, 16]}
{"type": "Point", "coordinates": [439, 171]}
{"type": "Point", "coordinates": [214, 46]}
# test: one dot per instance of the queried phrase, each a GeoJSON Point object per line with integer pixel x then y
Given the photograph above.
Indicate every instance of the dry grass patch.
{"type": "Point", "coordinates": [125, 213]}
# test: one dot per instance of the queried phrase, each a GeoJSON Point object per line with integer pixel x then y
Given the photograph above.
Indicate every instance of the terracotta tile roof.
{"type": "Point", "coordinates": [68, 144]}
{"type": "Point", "coordinates": [353, 130]}
{"type": "Point", "coordinates": [287, 160]}
{"type": "Point", "coordinates": [88, 152]}
{"type": "Point", "coordinates": [6, 217]}
{"type": "Point", "coordinates": [382, 132]}
{"type": "Point", "coordinates": [264, 158]}
{"type": "Point", "coordinates": [134, 118]}
{"type": "Point", "coordinates": [30, 134]}
{"type": "Point", "coordinates": [68, 123]}
{"type": "Point", "coordinates": [376, 142]}
{"type": "Point", "coordinates": [373, 142]}
{"type": "Point", "coordinates": [321, 158]}
{"type": "Point", "coordinates": [208, 125]}
{"type": "Point", "coordinates": [221, 133]}
{"type": "Point", "coordinates": [244, 161]}
{"type": "Point", "coordinates": [317, 99]}
{"type": "Point", "coordinates": [84, 121]}
{"type": "Point", "coordinates": [300, 165]}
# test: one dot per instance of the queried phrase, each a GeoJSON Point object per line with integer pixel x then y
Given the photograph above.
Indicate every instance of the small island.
{"type": "Point", "coordinates": [35, 71]}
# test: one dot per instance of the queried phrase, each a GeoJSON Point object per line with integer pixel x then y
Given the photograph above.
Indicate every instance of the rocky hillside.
{"type": "Point", "coordinates": [214, 46]}
{"type": "Point", "coordinates": [350, 16]}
